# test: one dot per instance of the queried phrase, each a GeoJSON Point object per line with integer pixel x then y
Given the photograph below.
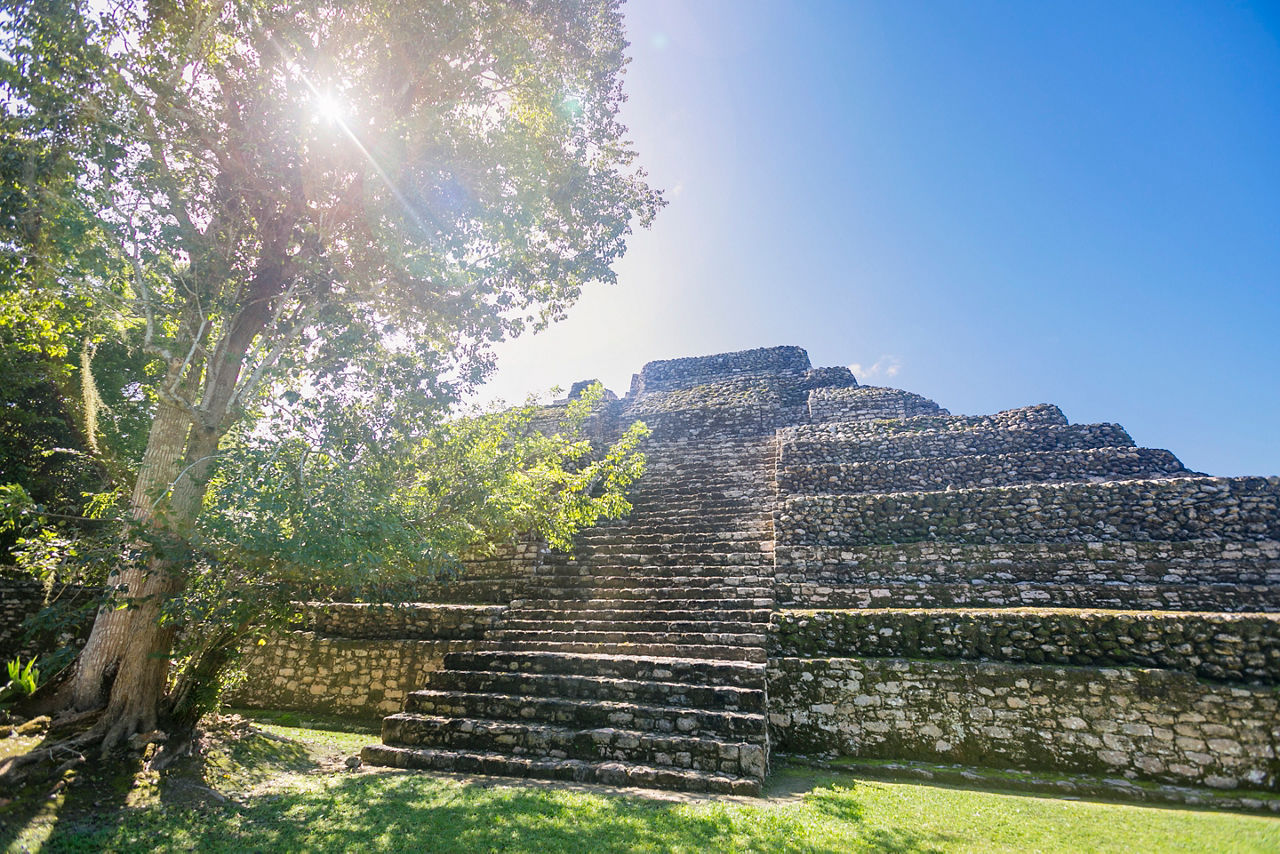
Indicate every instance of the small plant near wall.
{"type": "Point", "coordinates": [23, 681]}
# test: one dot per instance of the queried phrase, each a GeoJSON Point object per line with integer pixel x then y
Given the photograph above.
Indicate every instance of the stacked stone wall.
{"type": "Point", "coordinates": [20, 597]}
{"type": "Point", "coordinates": [668, 374]}
{"type": "Point", "coordinates": [1150, 597]}
{"type": "Point", "coordinates": [940, 473]}
{"type": "Point", "coordinates": [357, 660]}
{"type": "Point", "coordinates": [1200, 563]}
{"type": "Point", "coordinates": [23, 597]}
{"type": "Point", "coordinates": [838, 377]}
{"type": "Point", "coordinates": [1021, 418]}
{"type": "Point", "coordinates": [353, 677]}
{"type": "Point", "coordinates": [867, 403]}
{"type": "Point", "coordinates": [1239, 648]}
{"type": "Point", "coordinates": [1157, 725]}
{"type": "Point", "coordinates": [1166, 510]}
{"type": "Point", "coordinates": [812, 446]}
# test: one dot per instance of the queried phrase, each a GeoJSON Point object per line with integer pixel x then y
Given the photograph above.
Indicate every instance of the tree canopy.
{"type": "Point", "coordinates": [309, 222]}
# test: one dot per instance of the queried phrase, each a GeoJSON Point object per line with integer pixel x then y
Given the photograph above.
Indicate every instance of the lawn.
{"type": "Point", "coordinates": [262, 786]}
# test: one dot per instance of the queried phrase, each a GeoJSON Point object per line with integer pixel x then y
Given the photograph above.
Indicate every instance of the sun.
{"type": "Point", "coordinates": [329, 108]}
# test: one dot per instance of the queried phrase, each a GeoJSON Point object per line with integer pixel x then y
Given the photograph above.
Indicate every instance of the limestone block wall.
{"type": "Point", "coordinates": [357, 660]}
{"type": "Point", "coordinates": [353, 677]}
{"type": "Point", "coordinates": [1237, 648]}
{"type": "Point", "coordinates": [362, 660]}
{"type": "Point", "coordinates": [867, 402]}
{"type": "Point", "coordinates": [1157, 725]}
{"type": "Point", "coordinates": [22, 597]}
{"type": "Point", "coordinates": [1167, 510]}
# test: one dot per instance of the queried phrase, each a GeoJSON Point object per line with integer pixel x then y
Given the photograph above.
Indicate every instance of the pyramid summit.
{"type": "Point", "coordinates": [814, 566]}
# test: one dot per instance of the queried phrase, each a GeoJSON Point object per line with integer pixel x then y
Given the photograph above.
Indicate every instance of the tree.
{"type": "Point", "coordinates": [292, 196]}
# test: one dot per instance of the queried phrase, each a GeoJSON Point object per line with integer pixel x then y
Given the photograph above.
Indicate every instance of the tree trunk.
{"type": "Point", "coordinates": [99, 661]}
{"type": "Point", "coordinates": [125, 661]}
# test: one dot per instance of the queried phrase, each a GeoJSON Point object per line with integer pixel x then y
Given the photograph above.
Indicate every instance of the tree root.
{"type": "Point", "coordinates": [46, 759]}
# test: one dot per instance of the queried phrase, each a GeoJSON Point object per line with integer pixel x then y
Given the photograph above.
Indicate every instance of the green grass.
{"type": "Point", "coordinates": [290, 792]}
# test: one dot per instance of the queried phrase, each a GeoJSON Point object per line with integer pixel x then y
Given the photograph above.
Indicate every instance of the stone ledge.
{"type": "Point", "coordinates": [1235, 648]}
{"type": "Point", "coordinates": [1062, 785]}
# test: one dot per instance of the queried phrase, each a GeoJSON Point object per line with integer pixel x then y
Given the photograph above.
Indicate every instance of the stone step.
{"type": "Point", "coordinates": [568, 770]}
{"type": "Point", "coordinates": [696, 671]}
{"type": "Point", "coordinates": [905, 443]}
{"type": "Point", "coordinates": [610, 566]}
{"type": "Point", "coordinates": [646, 602]}
{"type": "Point", "coordinates": [710, 755]}
{"type": "Point", "coordinates": [605, 636]}
{"type": "Point", "coordinates": [931, 475]}
{"type": "Point", "coordinates": [647, 597]}
{"type": "Point", "coordinates": [660, 519]}
{"type": "Point", "coordinates": [757, 576]}
{"type": "Point", "coordinates": [696, 493]}
{"type": "Point", "coordinates": [699, 533]}
{"type": "Point", "coordinates": [695, 563]}
{"type": "Point", "coordinates": [655, 623]}
{"type": "Point", "coordinates": [709, 652]}
{"type": "Point", "coordinates": [589, 714]}
{"type": "Point", "coordinates": [729, 698]}
{"type": "Point", "coordinates": [701, 495]}
{"type": "Point", "coordinates": [1224, 598]}
{"type": "Point", "coordinates": [756, 573]}
{"type": "Point", "coordinates": [667, 616]}
{"type": "Point", "coordinates": [600, 542]}
{"type": "Point", "coordinates": [684, 499]}
{"type": "Point", "coordinates": [695, 554]}
{"type": "Point", "coordinates": [748, 581]}
{"type": "Point", "coordinates": [656, 589]}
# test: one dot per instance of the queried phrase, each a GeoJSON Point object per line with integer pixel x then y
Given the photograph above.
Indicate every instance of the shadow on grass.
{"type": "Point", "coordinates": [61, 812]}
{"type": "Point", "coordinates": [417, 812]}
{"type": "Point", "coordinates": [82, 803]}
{"type": "Point", "coordinates": [202, 804]}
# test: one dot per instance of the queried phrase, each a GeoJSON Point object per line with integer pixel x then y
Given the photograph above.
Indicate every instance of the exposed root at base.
{"type": "Point", "coordinates": [45, 760]}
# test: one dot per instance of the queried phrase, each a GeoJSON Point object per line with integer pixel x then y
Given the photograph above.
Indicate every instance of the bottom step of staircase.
{"type": "Point", "coordinates": [570, 770]}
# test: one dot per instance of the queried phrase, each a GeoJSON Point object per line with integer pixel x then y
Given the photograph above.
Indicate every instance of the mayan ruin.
{"type": "Point", "coordinates": [817, 567]}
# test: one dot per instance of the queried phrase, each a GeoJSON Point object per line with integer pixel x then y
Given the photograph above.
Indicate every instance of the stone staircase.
{"type": "Point", "coordinates": [640, 660]}
{"type": "Point", "coordinates": [822, 567]}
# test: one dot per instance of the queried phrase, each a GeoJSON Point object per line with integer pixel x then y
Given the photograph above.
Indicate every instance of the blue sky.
{"type": "Point", "coordinates": [992, 204]}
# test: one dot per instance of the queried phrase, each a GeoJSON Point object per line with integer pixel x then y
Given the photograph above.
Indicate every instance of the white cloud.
{"type": "Point", "coordinates": [886, 366]}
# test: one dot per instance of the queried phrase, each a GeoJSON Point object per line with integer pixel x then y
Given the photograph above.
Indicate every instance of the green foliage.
{"type": "Point", "coordinates": [357, 497]}
{"type": "Point", "coordinates": [63, 335]}
{"type": "Point", "coordinates": [23, 680]}
{"type": "Point", "coordinates": [299, 295]}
